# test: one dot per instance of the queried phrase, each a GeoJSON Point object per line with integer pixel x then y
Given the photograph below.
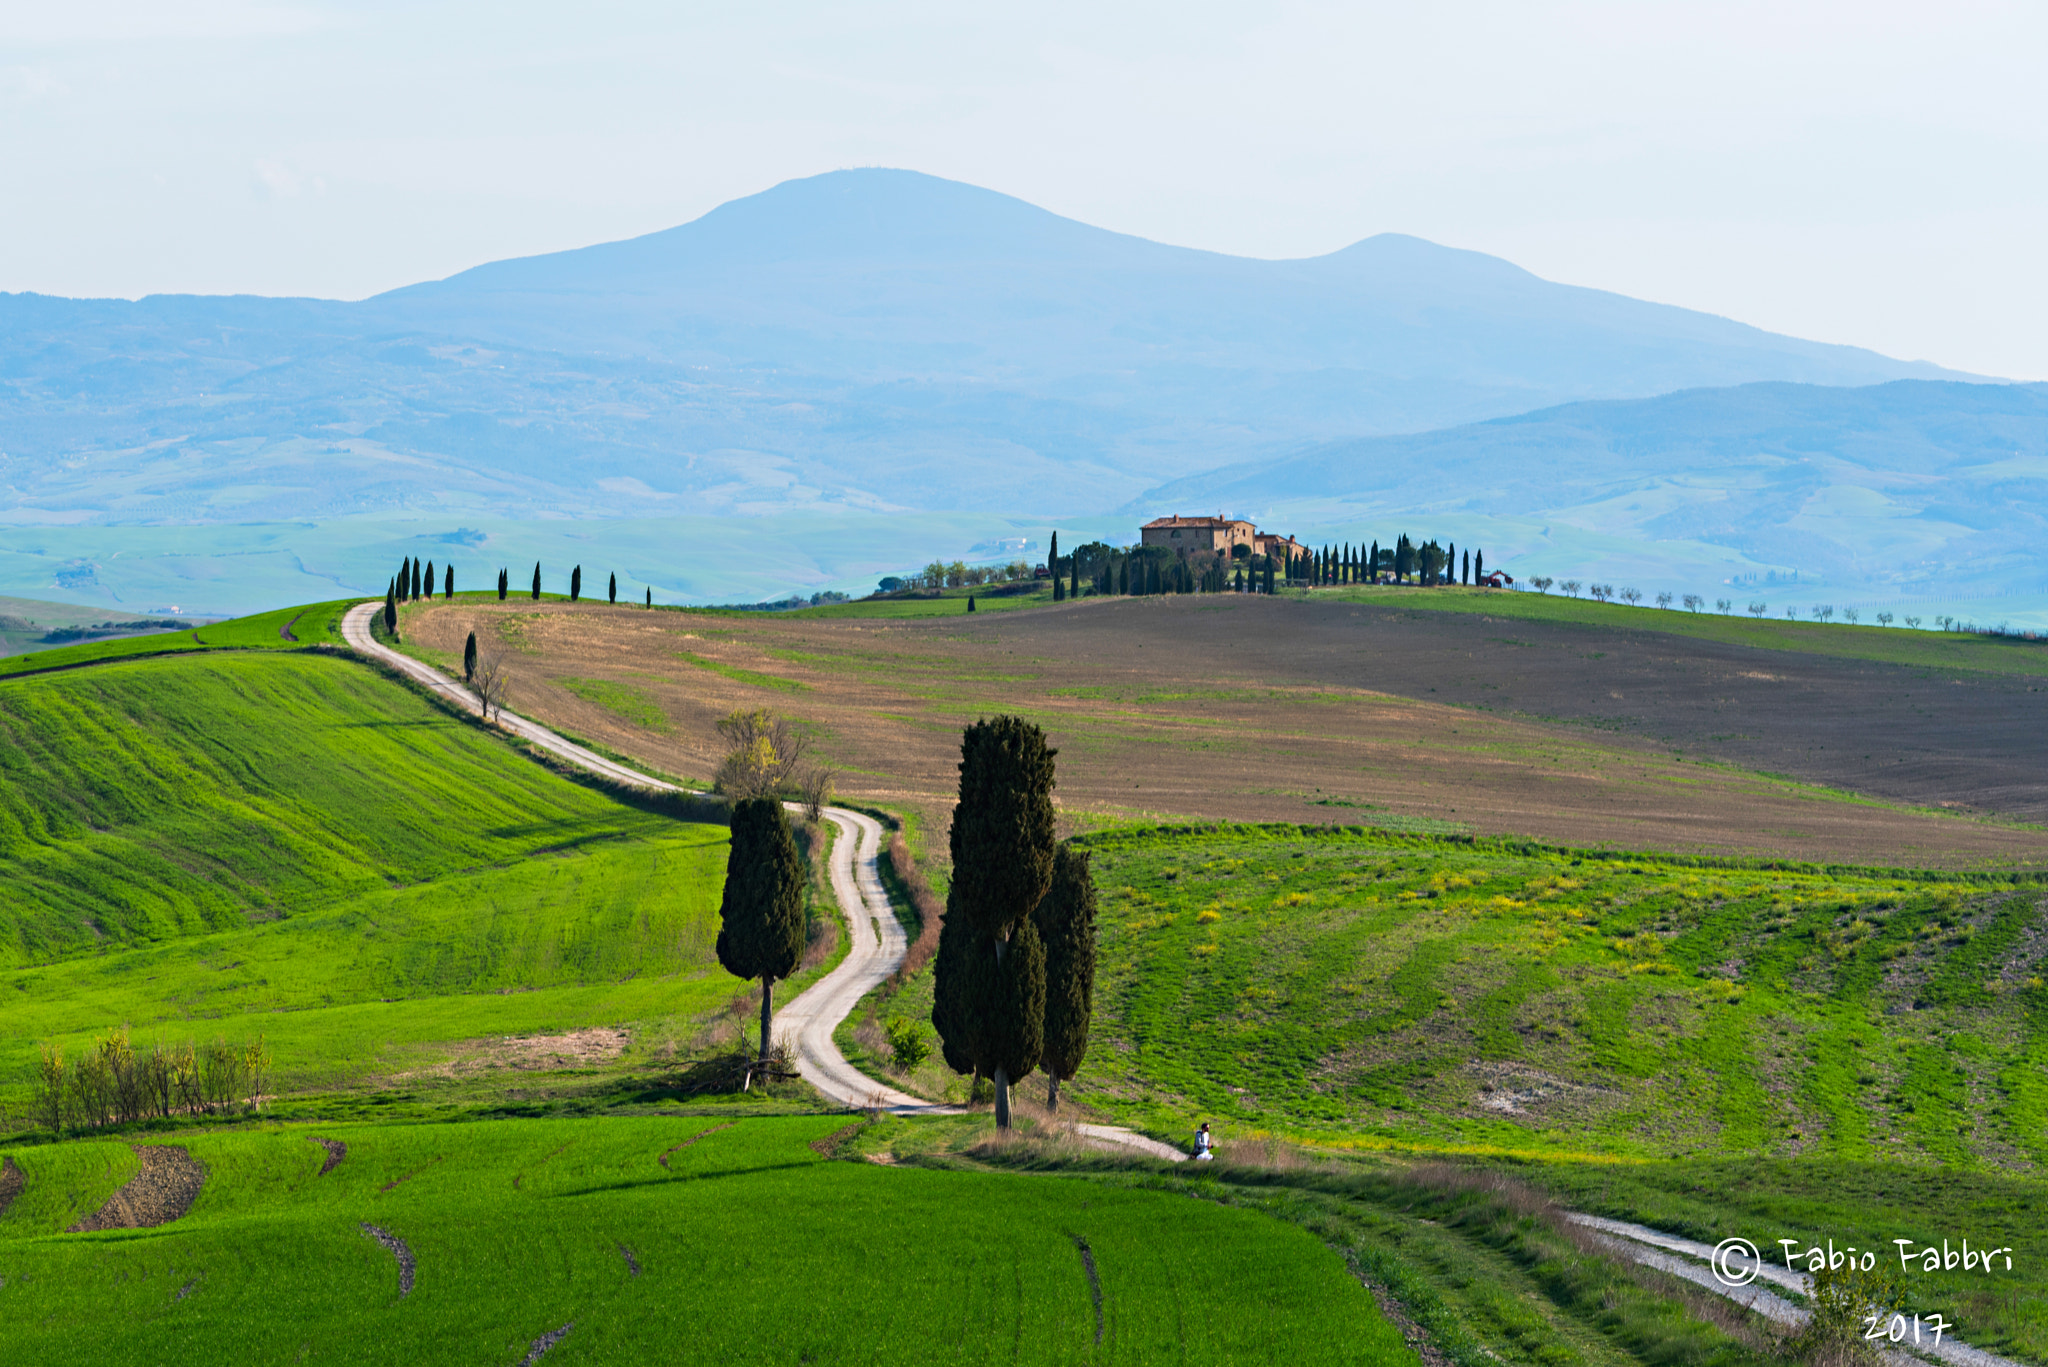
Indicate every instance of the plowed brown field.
{"type": "Point", "coordinates": [1239, 708]}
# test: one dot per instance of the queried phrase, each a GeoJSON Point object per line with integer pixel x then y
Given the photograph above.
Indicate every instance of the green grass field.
{"type": "Point", "coordinates": [749, 1246]}
{"type": "Point", "coordinates": [308, 625]}
{"type": "Point", "coordinates": [203, 844]}
{"type": "Point", "coordinates": [1380, 989]}
{"type": "Point", "coordinates": [1923, 648]}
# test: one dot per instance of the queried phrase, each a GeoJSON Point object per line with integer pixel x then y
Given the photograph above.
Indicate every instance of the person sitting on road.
{"type": "Point", "coordinates": [1202, 1153]}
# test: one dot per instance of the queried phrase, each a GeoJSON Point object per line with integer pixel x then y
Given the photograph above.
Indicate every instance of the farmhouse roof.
{"type": "Point", "coordinates": [1178, 521]}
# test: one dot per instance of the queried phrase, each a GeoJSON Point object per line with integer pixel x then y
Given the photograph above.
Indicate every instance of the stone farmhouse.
{"type": "Point", "coordinates": [1220, 534]}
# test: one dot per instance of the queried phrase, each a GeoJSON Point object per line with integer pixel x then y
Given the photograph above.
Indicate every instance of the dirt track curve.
{"type": "Point", "coordinates": [876, 938]}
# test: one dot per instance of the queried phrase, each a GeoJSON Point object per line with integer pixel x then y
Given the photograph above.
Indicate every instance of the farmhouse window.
{"type": "Point", "coordinates": [1176, 536]}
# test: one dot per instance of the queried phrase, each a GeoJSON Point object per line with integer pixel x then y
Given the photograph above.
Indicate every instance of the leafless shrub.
{"type": "Point", "coordinates": [1631, 596]}
{"type": "Point", "coordinates": [490, 684]}
{"type": "Point", "coordinates": [814, 789]}
{"type": "Point", "coordinates": [1570, 587]}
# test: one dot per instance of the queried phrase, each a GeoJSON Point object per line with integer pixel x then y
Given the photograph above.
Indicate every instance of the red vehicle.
{"type": "Point", "coordinates": [1499, 579]}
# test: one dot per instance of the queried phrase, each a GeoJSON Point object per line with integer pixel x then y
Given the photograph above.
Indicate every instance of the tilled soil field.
{"type": "Point", "coordinates": [1237, 708]}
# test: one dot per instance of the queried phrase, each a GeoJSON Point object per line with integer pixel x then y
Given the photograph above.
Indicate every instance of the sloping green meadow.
{"type": "Point", "coordinates": [1364, 987]}
{"type": "Point", "coordinates": [290, 842]}
{"type": "Point", "coordinates": [653, 1240]}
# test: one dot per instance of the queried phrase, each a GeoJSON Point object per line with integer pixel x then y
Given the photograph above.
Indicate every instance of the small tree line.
{"type": "Point", "coordinates": [1822, 613]}
{"type": "Point", "coordinates": [115, 1082]}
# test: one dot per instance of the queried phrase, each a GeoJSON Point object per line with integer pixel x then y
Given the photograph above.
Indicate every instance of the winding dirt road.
{"type": "Point", "coordinates": [876, 942]}
{"type": "Point", "coordinates": [875, 937]}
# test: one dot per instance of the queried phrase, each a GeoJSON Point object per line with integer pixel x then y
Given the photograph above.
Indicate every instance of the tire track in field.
{"type": "Point", "coordinates": [399, 1249]}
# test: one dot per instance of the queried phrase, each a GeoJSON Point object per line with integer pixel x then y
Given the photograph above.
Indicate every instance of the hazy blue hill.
{"type": "Point", "coordinates": [1906, 484]}
{"type": "Point", "coordinates": [856, 337]}
{"type": "Point", "coordinates": [860, 345]}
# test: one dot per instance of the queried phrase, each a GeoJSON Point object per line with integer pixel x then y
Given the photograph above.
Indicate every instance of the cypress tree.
{"type": "Point", "coordinates": [447, 581]}
{"type": "Point", "coordinates": [430, 579]}
{"type": "Point", "coordinates": [1478, 565]}
{"type": "Point", "coordinates": [1467, 569]}
{"type": "Point", "coordinates": [1372, 564]}
{"type": "Point", "coordinates": [575, 583]}
{"type": "Point", "coordinates": [1052, 564]}
{"type": "Point", "coordinates": [504, 584]}
{"type": "Point", "coordinates": [1074, 587]}
{"type": "Point", "coordinates": [970, 602]}
{"type": "Point", "coordinates": [989, 995]}
{"type": "Point", "coordinates": [415, 581]}
{"type": "Point", "coordinates": [536, 581]}
{"type": "Point", "coordinates": [761, 917]}
{"type": "Point", "coordinates": [1066, 924]}
{"type": "Point", "coordinates": [1451, 564]}
{"type": "Point", "coordinates": [615, 588]}
{"type": "Point", "coordinates": [391, 607]}
{"type": "Point", "coordinates": [469, 659]}
{"type": "Point", "coordinates": [650, 598]}
{"type": "Point", "coordinates": [1269, 574]}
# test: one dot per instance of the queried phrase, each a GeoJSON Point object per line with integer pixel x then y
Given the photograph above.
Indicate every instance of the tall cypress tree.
{"type": "Point", "coordinates": [989, 992]}
{"type": "Point", "coordinates": [415, 581]}
{"type": "Point", "coordinates": [575, 583]}
{"type": "Point", "coordinates": [1052, 564]}
{"type": "Point", "coordinates": [430, 580]}
{"type": "Point", "coordinates": [1466, 569]}
{"type": "Point", "coordinates": [615, 588]}
{"type": "Point", "coordinates": [448, 581]}
{"type": "Point", "coordinates": [1074, 586]}
{"type": "Point", "coordinates": [1066, 923]}
{"type": "Point", "coordinates": [504, 583]}
{"type": "Point", "coordinates": [1478, 565]}
{"type": "Point", "coordinates": [650, 598]}
{"type": "Point", "coordinates": [761, 916]}
{"type": "Point", "coordinates": [970, 602]}
{"type": "Point", "coordinates": [469, 659]}
{"type": "Point", "coordinates": [391, 607]}
{"type": "Point", "coordinates": [536, 581]}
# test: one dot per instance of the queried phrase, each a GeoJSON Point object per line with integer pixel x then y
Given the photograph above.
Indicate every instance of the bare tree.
{"type": "Point", "coordinates": [765, 756]}
{"type": "Point", "coordinates": [489, 684]}
{"type": "Point", "coordinates": [1600, 592]}
{"type": "Point", "coordinates": [1570, 586]}
{"type": "Point", "coordinates": [1822, 611]}
{"type": "Point", "coordinates": [1664, 600]}
{"type": "Point", "coordinates": [1693, 602]}
{"type": "Point", "coordinates": [1543, 583]}
{"type": "Point", "coordinates": [1849, 615]}
{"type": "Point", "coordinates": [814, 784]}
{"type": "Point", "coordinates": [1759, 609]}
{"type": "Point", "coordinates": [1912, 622]}
{"type": "Point", "coordinates": [1631, 595]}
{"type": "Point", "coordinates": [1884, 619]}
{"type": "Point", "coordinates": [1724, 606]}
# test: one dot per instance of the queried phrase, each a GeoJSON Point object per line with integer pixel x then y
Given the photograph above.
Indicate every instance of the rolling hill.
{"type": "Point", "coordinates": [844, 376]}
{"type": "Point", "coordinates": [1911, 489]}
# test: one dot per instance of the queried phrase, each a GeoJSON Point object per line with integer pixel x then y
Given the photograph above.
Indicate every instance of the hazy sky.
{"type": "Point", "coordinates": [1868, 172]}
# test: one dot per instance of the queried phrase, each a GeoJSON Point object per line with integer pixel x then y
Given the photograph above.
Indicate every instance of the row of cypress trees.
{"type": "Point", "coordinates": [1429, 563]}
{"type": "Point", "coordinates": [1014, 976]}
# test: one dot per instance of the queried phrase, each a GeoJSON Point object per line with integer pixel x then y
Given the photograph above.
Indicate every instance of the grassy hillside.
{"type": "Point", "coordinates": [280, 629]}
{"type": "Point", "coordinates": [1923, 647]}
{"type": "Point", "coordinates": [1408, 991]}
{"type": "Point", "coordinates": [292, 843]}
{"type": "Point", "coordinates": [659, 1240]}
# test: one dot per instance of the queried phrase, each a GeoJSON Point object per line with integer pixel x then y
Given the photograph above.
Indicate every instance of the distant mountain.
{"type": "Point", "coordinates": [1912, 486]}
{"type": "Point", "coordinates": [860, 341]}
